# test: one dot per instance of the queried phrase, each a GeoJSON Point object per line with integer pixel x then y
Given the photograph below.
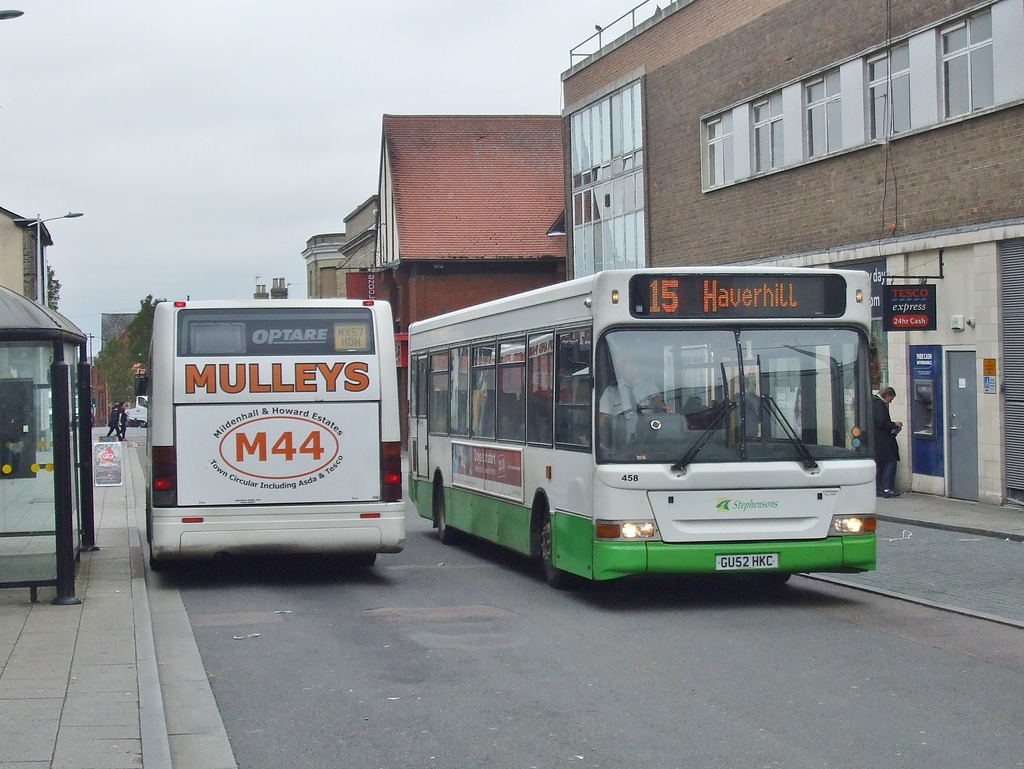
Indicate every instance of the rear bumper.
{"type": "Point", "coordinates": [298, 532]}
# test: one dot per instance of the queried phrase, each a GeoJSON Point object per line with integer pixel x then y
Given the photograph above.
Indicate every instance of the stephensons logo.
{"type": "Point", "coordinates": [728, 504]}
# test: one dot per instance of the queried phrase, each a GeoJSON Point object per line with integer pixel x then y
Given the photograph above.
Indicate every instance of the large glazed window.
{"type": "Point", "coordinates": [732, 395]}
{"type": "Point", "coordinates": [967, 65]}
{"type": "Point", "coordinates": [607, 184]}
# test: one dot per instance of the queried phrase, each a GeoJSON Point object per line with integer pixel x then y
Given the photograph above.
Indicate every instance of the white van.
{"type": "Point", "coordinates": [138, 415]}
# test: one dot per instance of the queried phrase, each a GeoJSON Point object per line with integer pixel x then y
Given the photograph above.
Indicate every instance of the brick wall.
{"type": "Point", "coordinates": [427, 291]}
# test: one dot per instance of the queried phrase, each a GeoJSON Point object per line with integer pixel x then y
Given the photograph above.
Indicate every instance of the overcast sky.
{"type": "Point", "coordinates": [206, 141]}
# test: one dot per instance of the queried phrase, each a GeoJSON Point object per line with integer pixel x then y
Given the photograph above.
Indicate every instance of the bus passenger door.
{"type": "Point", "coordinates": [418, 426]}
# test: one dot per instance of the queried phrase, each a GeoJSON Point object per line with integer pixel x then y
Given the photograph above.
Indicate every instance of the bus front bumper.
{"type": "Point", "coordinates": [853, 553]}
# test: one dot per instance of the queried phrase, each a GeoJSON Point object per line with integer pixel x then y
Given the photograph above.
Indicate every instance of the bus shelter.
{"type": "Point", "coordinates": [46, 501]}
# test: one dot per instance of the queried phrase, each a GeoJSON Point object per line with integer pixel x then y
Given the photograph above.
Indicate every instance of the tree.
{"type": "Point", "coordinates": [120, 359]}
{"type": "Point", "coordinates": [52, 289]}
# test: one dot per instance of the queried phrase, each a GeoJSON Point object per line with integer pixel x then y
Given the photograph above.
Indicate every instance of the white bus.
{"type": "Point", "coordinates": [653, 422]}
{"type": "Point", "coordinates": [274, 426]}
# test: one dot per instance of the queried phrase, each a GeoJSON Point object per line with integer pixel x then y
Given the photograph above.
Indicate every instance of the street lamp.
{"type": "Point", "coordinates": [41, 280]}
{"type": "Point", "coordinates": [10, 14]}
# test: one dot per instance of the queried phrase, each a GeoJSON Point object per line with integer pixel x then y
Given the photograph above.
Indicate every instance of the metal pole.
{"type": "Point", "coordinates": [62, 483]}
{"type": "Point", "coordinates": [86, 498]}
{"type": "Point", "coordinates": [41, 289]}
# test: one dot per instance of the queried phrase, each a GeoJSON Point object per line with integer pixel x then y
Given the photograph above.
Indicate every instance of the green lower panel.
{"type": "Point", "coordinates": [419, 494]}
{"type": "Point", "coordinates": [497, 520]}
{"type": "Point", "coordinates": [620, 559]}
{"type": "Point", "coordinates": [572, 545]}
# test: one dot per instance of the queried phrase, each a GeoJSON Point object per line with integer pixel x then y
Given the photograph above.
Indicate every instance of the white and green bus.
{"type": "Point", "coordinates": [677, 421]}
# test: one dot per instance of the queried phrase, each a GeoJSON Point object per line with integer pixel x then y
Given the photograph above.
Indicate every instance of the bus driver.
{"type": "Point", "coordinates": [633, 394]}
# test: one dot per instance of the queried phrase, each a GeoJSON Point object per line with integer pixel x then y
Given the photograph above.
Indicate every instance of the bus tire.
{"type": "Point", "coordinates": [555, 577]}
{"type": "Point", "coordinates": [445, 533]}
{"type": "Point", "coordinates": [361, 560]}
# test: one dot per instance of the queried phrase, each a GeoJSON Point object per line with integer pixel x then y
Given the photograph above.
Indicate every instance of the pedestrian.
{"type": "Point", "coordinates": [114, 421]}
{"type": "Point", "coordinates": [122, 422]}
{"type": "Point", "coordinates": [887, 451]}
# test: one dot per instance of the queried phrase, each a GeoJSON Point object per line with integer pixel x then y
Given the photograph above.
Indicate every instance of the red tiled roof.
{"type": "Point", "coordinates": [476, 187]}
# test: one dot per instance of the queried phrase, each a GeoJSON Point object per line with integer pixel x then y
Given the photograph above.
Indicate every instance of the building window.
{"type": "Point", "coordinates": [889, 92]}
{"type": "Point", "coordinates": [720, 153]}
{"type": "Point", "coordinates": [824, 114]}
{"type": "Point", "coordinates": [767, 116]}
{"type": "Point", "coordinates": [967, 68]}
{"type": "Point", "coordinates": [606, 143]}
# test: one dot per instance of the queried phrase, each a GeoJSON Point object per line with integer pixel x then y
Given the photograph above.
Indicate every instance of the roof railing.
{"type": "Point", "coordinates": [625, 23]}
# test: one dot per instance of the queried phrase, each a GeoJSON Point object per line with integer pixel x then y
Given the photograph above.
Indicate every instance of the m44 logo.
{"type": "Point", "coordinates": [278, 447]}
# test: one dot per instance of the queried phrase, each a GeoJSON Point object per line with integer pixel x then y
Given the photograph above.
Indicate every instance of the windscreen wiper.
{"type": "Point", "coordinates": [796, 440]}
{"type": "Point", "coordinates": [724, 410]}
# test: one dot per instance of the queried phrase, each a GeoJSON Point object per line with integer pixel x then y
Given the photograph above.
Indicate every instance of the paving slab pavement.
{"type": "Point", "coordinates": [81, 686]}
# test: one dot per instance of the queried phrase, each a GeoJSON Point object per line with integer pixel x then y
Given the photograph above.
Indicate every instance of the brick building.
{"type": "Point", "coordinates": [470, 209]}
{"type": "Point", "coordinates": [882, 136]}
{"type": "Point", "coordinates": [19, 253]}
{"type": "Point", "coordinates": [331, 258]}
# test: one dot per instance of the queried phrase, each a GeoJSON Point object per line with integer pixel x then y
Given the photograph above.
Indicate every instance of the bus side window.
{"type": "Point", "coordinates": [460, 391]}
{"type": "Point", "coordinates": [483, 392]}
{"type": "Point", "coordinates": [511, 386]}
{"type": "Point", "coordinates": [573, 399]}
{"type": "Point", "coordinates": [438, 407]}
{"type": "Point", "coordinates": [540, 383]}
{"type": "Point", "coordinates": [421, 388]}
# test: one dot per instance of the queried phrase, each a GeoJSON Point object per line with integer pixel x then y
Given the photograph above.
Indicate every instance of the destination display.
{"type": "Point", "coordinates": [735, 295]}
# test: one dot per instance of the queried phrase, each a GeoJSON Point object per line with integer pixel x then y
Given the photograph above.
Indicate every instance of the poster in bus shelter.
{"type": "Point", "coordinates": [107, 468]}
{"type": "Point", "coordinates": [293, 453]}
{"type": "Point", "coordinates": [489, 469]}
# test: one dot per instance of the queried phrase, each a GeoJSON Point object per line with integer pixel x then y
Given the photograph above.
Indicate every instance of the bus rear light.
{"type": "Point", "coordinates": [165, 476]}
{"type": "Point", "coordinates": [191, 520]}
{"type": "Point", "coordinates": [369, 515]}
{"type": "Point", "coordinates": [852, 524]}
{"type": "Point", "coordinates": [391, 471]}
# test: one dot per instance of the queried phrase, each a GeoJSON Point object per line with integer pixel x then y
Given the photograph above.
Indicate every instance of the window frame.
{"type": "Point", "coordinates": [772, 123]}
{"type": "Point", "coordinates": [968, 54]}
{"type": "Point", "coordinates": [829, 106]}
{"type": "Point", "coordinates": [884, 88]}
{"type": "Point", "coordinates": [722, 146]}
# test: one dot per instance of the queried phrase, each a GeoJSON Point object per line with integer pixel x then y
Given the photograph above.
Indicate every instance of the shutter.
{"type": "Point", "coordinates": [1011, 258]}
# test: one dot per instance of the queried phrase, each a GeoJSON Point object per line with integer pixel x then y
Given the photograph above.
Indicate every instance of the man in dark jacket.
{"type": "Point", "coordinates": [887, 452]}
{"type": "Point", "coordinates": [114, 421]}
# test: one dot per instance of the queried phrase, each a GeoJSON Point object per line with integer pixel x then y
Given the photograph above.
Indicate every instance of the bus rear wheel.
{"type": "Point", "coordinates": [445, 533]}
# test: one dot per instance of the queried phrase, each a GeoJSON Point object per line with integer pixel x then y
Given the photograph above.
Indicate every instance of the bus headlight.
{"type": "Point", "coordinates": [626, 530]}
{"type": "Point", "coordinates": [852, 524]}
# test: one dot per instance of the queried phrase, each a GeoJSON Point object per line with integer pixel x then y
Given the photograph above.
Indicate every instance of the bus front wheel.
{"type": "Point", "coordinates": [555, 577]}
